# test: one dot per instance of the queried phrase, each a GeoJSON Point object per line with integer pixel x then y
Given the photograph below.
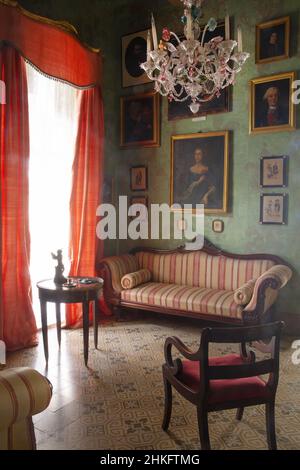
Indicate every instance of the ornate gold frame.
{"type": "Point", "coordinates": [225, 134]}
{"type": "Point", "coordinates": [155, 142]}
{"type": "Point", "coordinates": [269, 24]}
{"type": "Point", "coordinates": [291, 126]}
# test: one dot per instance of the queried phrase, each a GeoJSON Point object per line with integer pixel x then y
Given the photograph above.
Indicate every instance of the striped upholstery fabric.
{"type": "Point", "coordinates": [129, 281]}
{"type": "Point", "coordinates": [119, 266]}
{"type": "Point", "coordinates": [199, 269]}
{"type": "Point", "coordinates": [172, 296]}
{"type": "Point", "coordinates": [243, 295]}
{"type": "Point", "coordinates": [23, 393]}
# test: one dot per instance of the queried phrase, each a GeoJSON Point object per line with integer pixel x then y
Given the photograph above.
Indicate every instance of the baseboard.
{"type": "Point", "coordinates": [292, 323]}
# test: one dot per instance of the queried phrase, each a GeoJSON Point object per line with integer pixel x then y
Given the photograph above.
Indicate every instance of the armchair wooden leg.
{"type": "Point", "coordinates": [239, 414]}
{"type": "Point", "coordinates": [203, 428]}
{"type": "Point", "coordinates": [270, 423]}
{"type": "Point", "coordinates": [168, 404]}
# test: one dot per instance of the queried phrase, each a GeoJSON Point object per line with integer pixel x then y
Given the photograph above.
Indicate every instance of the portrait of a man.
{"type": "Point", "coordinates": [140, 120]}
{"type": "Point", "coordinates": [273, 40]}
{"type": "Point", "coordinates": [200, 171]}
{"type": "Point", "coordinates": [134, 53]}
{"type": "Point", "coordinates": [272, 108]}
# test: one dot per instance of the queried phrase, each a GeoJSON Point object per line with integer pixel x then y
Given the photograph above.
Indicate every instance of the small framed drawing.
{"type": "Point", "coordinates": [140, 120]}
{"type": "Point", "coordinates": [218, 226]}
{"type": "Point", "coordinates": [134, 53]}
{"type": "Point", "coordinates": [273, 209]}
{"type": "Point", "coordinates": [138, 178]}
{"type": "Point", "coordinates": [273, 172]}
{"type": "Point", "coordinates": [272, 107]}
{"type": "Point", "coordinates": [273, 40]}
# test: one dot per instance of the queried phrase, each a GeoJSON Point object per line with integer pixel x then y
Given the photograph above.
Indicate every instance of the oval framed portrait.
{"type": "Point", "coordinates": [134, 53]}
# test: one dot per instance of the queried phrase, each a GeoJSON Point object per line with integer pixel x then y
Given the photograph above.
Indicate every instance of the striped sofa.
{"type": "Point", "coordinates": [208, 284]}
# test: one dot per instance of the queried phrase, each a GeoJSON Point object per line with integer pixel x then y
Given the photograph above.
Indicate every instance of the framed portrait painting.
{"type": "Point", "coordinates": [273, 172]}
{"type": "Point", "coordinates": [273, 40]}
{"type": "Point", "coordinates": [272, 108]}
{"type": "Point", "coordinates": [134, 53]}
{"type": "Point", "coordinates": [138, 178]}
{"type": "Point", "coordinates": [140, 120]}
{"type": "Point", "coordinates": [180, 110]}
{"type": "Point", "coordinates": [199, 171]}
{"type": "Point", "coordinates": [273, 209]}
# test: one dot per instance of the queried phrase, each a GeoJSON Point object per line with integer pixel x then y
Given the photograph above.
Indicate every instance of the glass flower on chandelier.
{"type": "Point", "coordinates": [192, 68]}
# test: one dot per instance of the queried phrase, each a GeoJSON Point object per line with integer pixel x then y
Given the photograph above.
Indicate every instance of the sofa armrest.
{"type": "Point", "coordinates": [24, 392]}
{"type": "Point", "coordinates": [266, 291]}
{"type": "Point", "coordinates": [243, 295]}
{"type": "Point", "coordinates": [112, 269]}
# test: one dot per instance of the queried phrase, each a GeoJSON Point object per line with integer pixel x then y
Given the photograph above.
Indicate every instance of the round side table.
{"type": "Point", "coordinates": [82, 293]}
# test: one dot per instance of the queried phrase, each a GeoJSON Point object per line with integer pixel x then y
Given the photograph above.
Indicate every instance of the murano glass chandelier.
{"type": "Point", "coordinates": [192, 68]}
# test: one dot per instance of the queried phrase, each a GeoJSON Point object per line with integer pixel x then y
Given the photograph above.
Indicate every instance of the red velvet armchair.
{"type": "Point", "coordinates": [220, 383]}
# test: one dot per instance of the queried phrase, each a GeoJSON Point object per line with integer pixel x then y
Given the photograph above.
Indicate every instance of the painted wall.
{"type": "Point", "coordinates": [102, 23]}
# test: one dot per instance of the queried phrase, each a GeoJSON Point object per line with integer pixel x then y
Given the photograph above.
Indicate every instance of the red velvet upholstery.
{"type": "Point", "coordinates": [225, 390]}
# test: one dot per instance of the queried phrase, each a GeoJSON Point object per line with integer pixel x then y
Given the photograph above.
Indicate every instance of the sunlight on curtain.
{"type": "Point", "coordinates": [53, 120]}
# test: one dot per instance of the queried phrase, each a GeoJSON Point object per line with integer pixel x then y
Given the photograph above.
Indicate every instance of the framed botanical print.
{"type": "Point", "coordinates": [138, 178]}
{"type": "Point", "coordinates": [140, 120]}
{"type": "Point", "coordinates": [273, 40]}
{"type": "Point", "coordinates": [273, 172]}
{"type": "Point", "coordinates": [134, 53]}
{"type": "Point", "coordinates": [180, 110]}
{"type": "Point", "coordinates": [199, 171]}
{"type": "Point", "coordinates": [273, 209]}
{"type": "Point", "coordinates": [272, 108]}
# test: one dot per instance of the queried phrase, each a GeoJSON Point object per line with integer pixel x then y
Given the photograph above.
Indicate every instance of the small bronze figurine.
{"type": "Point", "coordinates": [59, 269]}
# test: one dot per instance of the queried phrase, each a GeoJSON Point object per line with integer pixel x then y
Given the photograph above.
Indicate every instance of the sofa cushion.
{"type": "Point", "coordinates": [194, 299]}
{"type": "Point", "coordinates": [199, 269]}
{"type": "Point", "coordinates": [131, 280]}
{"type": "Point", "coordinates": [119, 266]}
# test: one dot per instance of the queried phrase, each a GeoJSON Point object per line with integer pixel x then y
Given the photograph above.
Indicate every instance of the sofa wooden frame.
{"type": "Point", "coordinates": [254, 317]}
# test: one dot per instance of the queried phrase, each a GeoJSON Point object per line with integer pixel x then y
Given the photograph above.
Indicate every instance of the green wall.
{"type": "Point", "coordinates": [102, 23]}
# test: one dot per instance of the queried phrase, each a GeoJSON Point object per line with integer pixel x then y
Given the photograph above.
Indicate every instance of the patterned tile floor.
{"type": "Point", "coordinates": [117, 403]}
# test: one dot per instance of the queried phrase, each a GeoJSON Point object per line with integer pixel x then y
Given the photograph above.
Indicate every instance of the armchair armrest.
{"type": "Point", "coordinates": [24, 392]}
{"type": "Point", "coordinates": [266, 291]}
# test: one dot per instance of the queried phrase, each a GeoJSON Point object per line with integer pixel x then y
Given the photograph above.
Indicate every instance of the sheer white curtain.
{"type": "Point", "coordinates": [53, 119]}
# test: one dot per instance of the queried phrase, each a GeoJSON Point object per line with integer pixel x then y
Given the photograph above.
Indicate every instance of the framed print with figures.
{"type": "Point", "coordinates": [199, 171]}
{"type": "Point", "coordinates": [273, 172]}
{"type": "Point", "coordinates": [272, 108]}
{"type": "Point", "coordinates": [134, 53]}
{"type": "Point", "coordinates": [138, 178]}
{"type": "Point", "coordinates": [273, 40]}
{"type": "Point", "coordinates": [273, 209]}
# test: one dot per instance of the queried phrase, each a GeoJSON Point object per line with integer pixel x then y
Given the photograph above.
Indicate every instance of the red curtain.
{"type": "Point", "coordinates": [18, 327]}
{"type": "Point", "coordinates": [85, 197]}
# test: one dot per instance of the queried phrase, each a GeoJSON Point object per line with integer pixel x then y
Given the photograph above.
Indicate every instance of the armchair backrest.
{"type": "Point", "coordinates": [250, 368]}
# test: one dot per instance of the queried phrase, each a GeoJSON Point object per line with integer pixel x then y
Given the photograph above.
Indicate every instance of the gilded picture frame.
{"type": "Point", "coordinates": [271, 104]}
{"type": "Point", "coordinates": [273, 40]}
{"type": "Point", "coordinates": [200, 171]}
{"type": "Point", "coordinates": [140, 120]}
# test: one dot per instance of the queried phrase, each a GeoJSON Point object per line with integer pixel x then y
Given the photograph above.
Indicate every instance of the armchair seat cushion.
{"type": "Point", "coordinates": [193, 299]}
{"type": "Point", "coordinates": [228, 390]}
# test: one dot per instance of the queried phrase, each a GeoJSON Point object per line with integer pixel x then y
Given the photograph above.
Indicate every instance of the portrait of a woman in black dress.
{"type": "Point", "coordinates": [200, 171]}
